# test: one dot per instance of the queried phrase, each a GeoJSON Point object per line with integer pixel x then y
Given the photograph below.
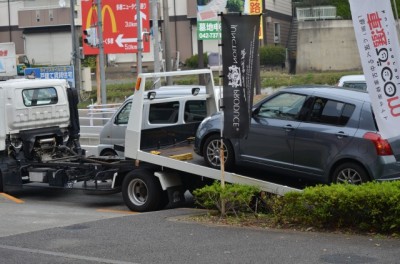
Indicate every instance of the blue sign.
{"type": "Point", "coordinates": [53, 72]}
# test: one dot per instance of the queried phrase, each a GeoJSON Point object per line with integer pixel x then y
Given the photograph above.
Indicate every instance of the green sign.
{"type": "Point", "coordinates": [208, 30]}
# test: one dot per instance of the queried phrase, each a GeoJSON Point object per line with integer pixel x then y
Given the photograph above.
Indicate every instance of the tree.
{"type": "Point", "coordinates": [235, 5]}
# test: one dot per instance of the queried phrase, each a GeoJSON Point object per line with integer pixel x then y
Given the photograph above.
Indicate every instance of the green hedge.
{"type": "Point", "coordinates": [371, 207]}
{"type": "Point", "coordinates": [237, 198]}
{"type": "Point", "coordinates": [272, 55]}
{"type": "Point", "coordinates": [193, 62]}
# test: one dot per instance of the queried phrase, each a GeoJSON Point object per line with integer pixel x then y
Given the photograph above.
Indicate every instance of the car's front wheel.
{"type": "Point", "coordinates": [212, 152]}
{"type": "Point", "coordinates": [351, 173]}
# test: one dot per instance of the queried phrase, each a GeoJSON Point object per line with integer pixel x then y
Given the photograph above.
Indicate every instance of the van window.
{"type": "Point", "coordinates": [41, 96]}
{"type": "Point", "coordinates": [164, 113]}
{"type": "Point", "coordinates": [123, 115]}
{"type": "Point", "coordinates": [195, 111]}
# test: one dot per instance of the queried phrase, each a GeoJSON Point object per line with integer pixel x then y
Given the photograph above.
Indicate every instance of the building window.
{"type": "Point", "coordinates": [277, 33]}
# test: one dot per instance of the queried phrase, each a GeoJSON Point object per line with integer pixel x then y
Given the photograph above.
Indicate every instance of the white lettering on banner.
{"type": "Point", "coordinates": [378, 44]}
{"type": "Point", "coordinates": [235, 80]}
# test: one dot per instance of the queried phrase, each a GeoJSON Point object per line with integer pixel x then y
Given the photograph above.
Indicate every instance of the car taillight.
{"type": "Point", "coordinates": [382, 146]}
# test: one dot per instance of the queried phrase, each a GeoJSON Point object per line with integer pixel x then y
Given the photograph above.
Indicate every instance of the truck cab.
{"type": "Point", "coordinates": [39, 121]}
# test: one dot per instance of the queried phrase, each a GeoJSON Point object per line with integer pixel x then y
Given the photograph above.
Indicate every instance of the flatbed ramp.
{"type": "Point", "coordinates": [196, 165]}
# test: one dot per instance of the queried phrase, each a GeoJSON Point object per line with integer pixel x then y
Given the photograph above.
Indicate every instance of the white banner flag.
{"type": "Point", "coordinates": [379, 49]}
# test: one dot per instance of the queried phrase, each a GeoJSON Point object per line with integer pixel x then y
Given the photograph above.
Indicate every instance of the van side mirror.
{"type": "Point", "coordinates": [151, 95]}
{"type": "Point", "coordinates": [195, 91]}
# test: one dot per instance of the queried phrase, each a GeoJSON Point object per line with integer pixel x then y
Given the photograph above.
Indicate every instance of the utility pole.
{"type": "Point", "coordinates": [156, 45]}
{"type": "Point", "coordinates": [101, 53]}
{"type": "Point", "coordinates": [139, 38]}
{"type": "Point", "coordinates": [167, 46]}
{"type": "Point", "coordinates": [75, 49]}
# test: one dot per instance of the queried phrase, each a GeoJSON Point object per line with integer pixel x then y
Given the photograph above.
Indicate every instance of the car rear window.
{"type": "Point", "coordinates": [330, 112]}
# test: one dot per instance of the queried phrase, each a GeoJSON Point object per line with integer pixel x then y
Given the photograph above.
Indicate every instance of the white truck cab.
{"type": "Point", "coordinates": [30, 105]}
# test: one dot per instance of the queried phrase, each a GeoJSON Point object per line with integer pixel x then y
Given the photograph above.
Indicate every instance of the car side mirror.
{"type": "Point", "coordinates": [255, 111]}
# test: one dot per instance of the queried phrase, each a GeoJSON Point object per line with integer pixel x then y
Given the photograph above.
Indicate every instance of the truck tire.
{"type": "Point", "coordinates": [1, 182]}
{"type": "Point", "coordinates": [141, 191]}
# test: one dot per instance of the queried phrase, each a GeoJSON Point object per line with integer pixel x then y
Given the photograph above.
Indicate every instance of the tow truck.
{"type": "Point", "coordinates": [40, 144]}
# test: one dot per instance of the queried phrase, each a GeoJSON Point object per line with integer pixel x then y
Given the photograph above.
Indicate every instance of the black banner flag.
{"type": "Point", "coordinates": [239, 56]}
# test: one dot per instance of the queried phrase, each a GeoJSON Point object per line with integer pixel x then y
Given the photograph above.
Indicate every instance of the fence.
{"type": "Point", "coordinates": [316, 13]}
{"type": "Point", "coordinates": [92, 119]}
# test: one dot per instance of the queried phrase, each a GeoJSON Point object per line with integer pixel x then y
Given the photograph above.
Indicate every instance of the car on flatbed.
{"type": "Point", "coordinates": [166, 118]}
{"type": "Point", "coordinates": [327, 134]}
{"type": "Point", "coordinates": [353, 81]}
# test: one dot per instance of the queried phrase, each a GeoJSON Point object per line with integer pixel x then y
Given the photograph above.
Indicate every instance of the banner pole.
{"type": "Point", "coordinates": [221, 150]}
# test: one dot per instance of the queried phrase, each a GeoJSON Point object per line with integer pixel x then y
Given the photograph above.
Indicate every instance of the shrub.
{"type": "Point", "coordinates": [368, 207]}
{"type": "Point", "coordinates": [272, 55]}
{"type": "Point", "coordinates": [235, 5]}
{"type": "Point", "coordinates": [89, 61]}
{"type": "Point", "coordinates": [237, 198]}
{"type": "Point", "coordinates": [193, 62]}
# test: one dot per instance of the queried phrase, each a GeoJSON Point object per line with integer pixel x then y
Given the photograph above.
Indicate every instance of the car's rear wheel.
{"type": "Point", "coordinates": [351, 173]}
{"type": "Point", "coordinates": [212, 151]}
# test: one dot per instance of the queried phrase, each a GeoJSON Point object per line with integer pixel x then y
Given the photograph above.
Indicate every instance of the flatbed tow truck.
{"type": "Point", "coordinates": [40, 145]}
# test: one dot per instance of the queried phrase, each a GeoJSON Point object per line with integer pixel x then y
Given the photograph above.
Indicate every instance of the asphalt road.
{"type": "Point", "coordinates": [66, 226]}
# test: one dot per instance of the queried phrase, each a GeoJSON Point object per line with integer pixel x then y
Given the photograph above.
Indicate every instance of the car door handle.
{"type": "Point", "coordinates": [341, 134]}
{"type": "Point", "coordinates": [288, 127]}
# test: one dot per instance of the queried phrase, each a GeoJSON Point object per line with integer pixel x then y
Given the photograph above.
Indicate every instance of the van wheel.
{"type": "Point", "coordinates": [142, 191]}
{"type": "Point", "coordinates": [211, 152]}
{"type": "Point", "coordinates": [109, 153]}
{"type": "Point", "coordinates": [350, 173]}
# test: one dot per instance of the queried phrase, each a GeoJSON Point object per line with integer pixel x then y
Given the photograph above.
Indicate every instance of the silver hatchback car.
{"type": "Point", "coordinates": [327, 134]}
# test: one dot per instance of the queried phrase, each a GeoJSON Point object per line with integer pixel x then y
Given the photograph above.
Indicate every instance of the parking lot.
{"type": "Point", "coordinates": [66, 226]}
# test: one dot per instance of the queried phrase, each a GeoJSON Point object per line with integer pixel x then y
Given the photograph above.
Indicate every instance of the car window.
{"type": "Point", "coordinates": [123, 115]}
{"type": "Point", "coordinates": [42, 96]}
{"type": "Point", "coordinates": [330, 112]}
{"type": "Point", "coordinates": [195, 111]}
{"type": "Point", "coordinates": [356, 85]}
{"type": "Point", "coordinates": [283, 106]}
{"type": "Point", "coordinates": [164, 113]}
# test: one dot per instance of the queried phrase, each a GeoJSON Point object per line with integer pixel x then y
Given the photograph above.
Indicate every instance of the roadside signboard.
{"type": "Point", "coordinates": [53, 72]}
{"type": "Point", "coordinates": [119, 25]}
{"type": "Point", "coordinates": [378, 44]}
{"type": "Point", "coordinates": [209, 24]}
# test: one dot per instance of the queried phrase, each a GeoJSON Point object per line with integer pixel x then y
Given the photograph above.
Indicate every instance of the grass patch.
{"type": "Point", "coordinates": [116, 93]}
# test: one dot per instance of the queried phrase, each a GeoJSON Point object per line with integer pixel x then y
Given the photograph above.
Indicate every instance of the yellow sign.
{"type": "Point", "coordinates": [255, 8]}
{"type": "Point", "coordinates": [103, 13]}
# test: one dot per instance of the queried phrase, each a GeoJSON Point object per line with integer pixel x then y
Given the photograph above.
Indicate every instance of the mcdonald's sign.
{"type": "Point", "coordinates": [119, 25]}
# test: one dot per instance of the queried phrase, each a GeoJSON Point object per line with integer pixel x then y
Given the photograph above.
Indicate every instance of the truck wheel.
{"type": "Point", "coordinates": [1, 182]}
{"type": "Point", "coordinates": [142, 191]}
{"type": "Point", "coordinates": [211, 152]}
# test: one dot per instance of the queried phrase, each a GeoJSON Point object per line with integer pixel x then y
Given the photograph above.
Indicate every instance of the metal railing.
{"type": "Point", "coordinates": [92, 120]}
{"type": "Point", "coordinates": [97, 115]}
{"type": "Point", "coordinates": [316, 13]}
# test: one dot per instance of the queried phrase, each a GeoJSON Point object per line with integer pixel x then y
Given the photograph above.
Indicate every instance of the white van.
{"type": "Point", "coordinates": [179, 107]}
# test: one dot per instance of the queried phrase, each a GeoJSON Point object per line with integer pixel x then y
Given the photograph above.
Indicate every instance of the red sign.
{"type": "Point", "coordinates": [119, 25]}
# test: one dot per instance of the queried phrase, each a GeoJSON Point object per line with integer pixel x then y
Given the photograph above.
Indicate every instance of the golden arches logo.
{"type": "Point", "coordinates": [103, 13]}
